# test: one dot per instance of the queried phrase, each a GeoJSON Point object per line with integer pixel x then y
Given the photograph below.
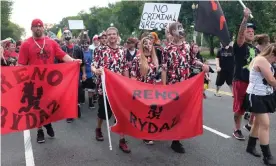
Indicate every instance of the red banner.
{"type": "Point", "coordinates": [33, 96]}
{"type": "Point", "coordinates": [156, 112]}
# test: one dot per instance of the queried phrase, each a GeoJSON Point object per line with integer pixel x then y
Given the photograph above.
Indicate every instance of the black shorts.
{"type": "Point", "coordinates": [89, 84]}
{"type": "Point", "coordinates": [101, 110]}
{"type": "Point", "coordinates": [224, 76]}
{"type": "Point", "coordinates": [260, 104]}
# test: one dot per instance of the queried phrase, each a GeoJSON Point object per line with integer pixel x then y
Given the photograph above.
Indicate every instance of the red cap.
{"type": "Point", "coordinates": [37, 22]}
{"type": "Point", "coordinates": [96, 37]}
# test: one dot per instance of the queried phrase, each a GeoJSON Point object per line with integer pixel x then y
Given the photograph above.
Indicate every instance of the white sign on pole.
{"type": "Point", "coordinates": [75, 24]}
{"type": "Point", "coordinates": [159, 15]}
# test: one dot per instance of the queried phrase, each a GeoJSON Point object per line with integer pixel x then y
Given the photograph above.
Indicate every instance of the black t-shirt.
{"type": "Point", "coordinates": [159, 52]}
{"type": "Point", "coordinates": [242, 57]}
{"type": "Point", "coordinates": [75, 52]}
{"type": "Point", "coordinates": [226, 59]}
{"type": "Point", "coordinates": [130, 57]}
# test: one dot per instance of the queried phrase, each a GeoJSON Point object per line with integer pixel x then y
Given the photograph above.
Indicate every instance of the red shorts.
{"type": "Point", "coordinates": [239, 92]}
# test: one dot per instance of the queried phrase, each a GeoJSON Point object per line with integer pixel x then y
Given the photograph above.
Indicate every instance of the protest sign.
{"type": "Point", "coordinates": [155, 112]}
{"type": "Point", "coordinates": [36, 95]}
{"type": "Point", "coordinates": [159, 15]}
{"type": "Point", "coordinates": [76, 24]}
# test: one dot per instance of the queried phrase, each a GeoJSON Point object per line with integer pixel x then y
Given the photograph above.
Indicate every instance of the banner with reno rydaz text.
{"type": "Point", "coordinates": [32, 96]}
{"type": "Point", "coordinates": [156, 112]}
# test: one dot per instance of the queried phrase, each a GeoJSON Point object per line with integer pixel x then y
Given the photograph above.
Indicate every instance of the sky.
{"type": "Point", "coordinates": [50, 11]}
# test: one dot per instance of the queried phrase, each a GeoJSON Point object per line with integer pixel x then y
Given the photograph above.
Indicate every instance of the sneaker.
{"type": "Point", "coordinates": [238, 135]}
{"type": "Point", "coordinates": [123, 146]}
{"type": "Point", "coordinates": [99, 134]}
{"type": "Point", "coordinates": [69, 120]}
{"type": "Point", "coordinates": [92, 106]}
{"type": "Point", "coordinates": [50, 131]}
{"type": "Point", "coordinates": [204, 96]}
{"type": "Point", "coordinates": [148, 142]}
{"type": "Point", "coordinates": [247, 127]}
{"type": "Point", "coordinates": [40, 136]}
{"type": "Point", "coordinates": [217, 95]}
{"type": "Point", "coordinates": [246, 116]}
{"type": "Point", "coordinates": [177, 147]}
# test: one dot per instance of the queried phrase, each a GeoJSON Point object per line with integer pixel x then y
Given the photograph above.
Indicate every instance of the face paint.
{"type": "Point", "coordinates": [180, 30]}
{"type": "Point", "coordinates": [147, 45]}
{"type": "Point", "coordinates": [67, 35]}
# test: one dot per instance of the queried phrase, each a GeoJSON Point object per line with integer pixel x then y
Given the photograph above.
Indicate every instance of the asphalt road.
{"type": "Point", "coordinates": [75, 143]}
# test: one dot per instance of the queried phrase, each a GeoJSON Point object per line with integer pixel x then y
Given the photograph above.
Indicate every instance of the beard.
{"type": "Point", "coordinates": [38, 34]}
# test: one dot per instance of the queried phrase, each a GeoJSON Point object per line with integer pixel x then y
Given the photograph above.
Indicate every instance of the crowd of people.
{"type": "Point", "coordinates": [246, 65]}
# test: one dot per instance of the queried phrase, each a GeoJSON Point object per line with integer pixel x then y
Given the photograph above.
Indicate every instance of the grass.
{"type": "Point", "coordinates": [206, 55]}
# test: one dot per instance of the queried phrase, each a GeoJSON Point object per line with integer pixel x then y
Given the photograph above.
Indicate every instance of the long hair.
{"type": "Point", "coordinates": [144, 66]}
{"type": "Point", "coordinates": [271, 48]}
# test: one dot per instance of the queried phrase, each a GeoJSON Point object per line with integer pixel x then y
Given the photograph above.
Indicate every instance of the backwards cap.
{"type": "Point", "coordinates": [251, 25]}
{"type": "Point", "coordinates": [37, 22]}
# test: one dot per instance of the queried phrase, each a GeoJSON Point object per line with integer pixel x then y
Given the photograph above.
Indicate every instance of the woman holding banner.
{"type": "Point", "coordinates": [145, 66]}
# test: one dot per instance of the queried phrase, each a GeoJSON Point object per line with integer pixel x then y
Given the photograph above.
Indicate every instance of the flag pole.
{"type": "Point", "coordinates": [105, 108]}
{"type": "Point", "coordinates": [245, 7]}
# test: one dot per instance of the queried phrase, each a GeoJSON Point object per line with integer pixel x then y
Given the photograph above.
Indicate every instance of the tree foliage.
{"type": "Point", "coordinates": [8, 28]}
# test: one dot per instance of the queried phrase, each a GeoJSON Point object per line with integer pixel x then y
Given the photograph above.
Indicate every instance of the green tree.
{"type": "Point", "coordinates": [9, 29]}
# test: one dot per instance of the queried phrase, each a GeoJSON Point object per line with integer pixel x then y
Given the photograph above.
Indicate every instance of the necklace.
{"type": "Point", "coordinates": [41, 49]}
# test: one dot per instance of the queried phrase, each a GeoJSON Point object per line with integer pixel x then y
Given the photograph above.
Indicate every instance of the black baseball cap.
{"type": "Point", "coordinates": [251, 25]}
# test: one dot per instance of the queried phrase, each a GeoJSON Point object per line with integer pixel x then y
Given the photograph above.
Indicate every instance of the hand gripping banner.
{"type": "Point", "coordinates": [156, 112]}
{"type": "Point", "coordinates": [32, 96]}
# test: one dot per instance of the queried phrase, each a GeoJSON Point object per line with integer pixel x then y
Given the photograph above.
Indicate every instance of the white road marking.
{"type": "Point", "coordinates": [29, 156]}
{"type": "Point", "coordinates": [216, 132]}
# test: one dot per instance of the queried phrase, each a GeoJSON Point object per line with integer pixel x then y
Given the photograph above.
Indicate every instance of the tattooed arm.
{"type": "Point", "coordinates": [241, 34]}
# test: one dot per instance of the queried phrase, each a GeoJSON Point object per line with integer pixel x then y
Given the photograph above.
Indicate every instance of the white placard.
{"type": "Point", "coordinates": [75, 24]}
{"type": "Point", "coordinates": [159, 15]}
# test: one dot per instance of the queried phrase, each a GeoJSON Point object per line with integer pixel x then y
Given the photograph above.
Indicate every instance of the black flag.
{"type": "Point", "coordinates": [210, 19]}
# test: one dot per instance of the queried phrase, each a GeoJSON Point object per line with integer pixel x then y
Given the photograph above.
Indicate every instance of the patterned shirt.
{"type": "Point", "coordinates": [135, 71]}
{"type": "Point", "coordinates": [177, 60]}
{"type": "Point", "coordinates": [112, 59]}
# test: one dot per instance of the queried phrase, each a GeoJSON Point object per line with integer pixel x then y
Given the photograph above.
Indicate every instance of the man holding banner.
{"type": "Point", "coordinates": [176, 62]}
{"type": "Point", "coordinates": [39, 50]}
{"type": "Point", "coordinates": [112, 57]}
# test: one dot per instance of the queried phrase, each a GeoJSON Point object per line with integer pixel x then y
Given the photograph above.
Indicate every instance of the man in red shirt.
{"type": "Point", "coordinates": [39, 50]}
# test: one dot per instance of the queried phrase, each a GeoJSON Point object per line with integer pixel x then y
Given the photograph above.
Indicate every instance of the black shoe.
{"type": "Point", "coordinates": [40, 136]}
{"type": "Point", "coordinates": [251, 146]}
{"type": "Point", "coordinates": [268, 158]}
{"type": "Point", "coordinates": [91, 106]}
{"type": "Point", "coordinates": [247, 127]}
{"type": "Point", "coordinates": [238, 135]}
{"type": "Point", "coordinates": [177, 147]}
{"type": "Point", "coordinates": [269, 161]}
{"type": "Point", "coordinates": [246, 116]}
{"type": "Point", "coordinates": [69, 120]}
{"type": "Point", "coordinates": [148, 142]}
{"type": "Point", "coordinates": [253, 151]}
{"type": "Point", "coordinates": [50, 130]}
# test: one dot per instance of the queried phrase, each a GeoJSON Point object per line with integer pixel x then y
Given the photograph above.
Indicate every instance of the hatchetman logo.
{"type": "Point", "coordinates": [29, 97]}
